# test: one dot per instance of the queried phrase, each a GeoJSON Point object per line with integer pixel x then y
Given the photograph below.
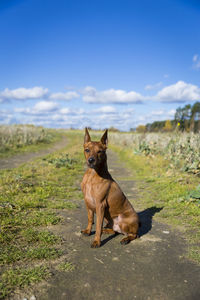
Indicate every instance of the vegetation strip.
{"type": "Point", "coordinates": [162, 186]}
{"type": "Point", "coordinates": [30, 198]}
{"type": "Point", "coordinates": [15, 139]}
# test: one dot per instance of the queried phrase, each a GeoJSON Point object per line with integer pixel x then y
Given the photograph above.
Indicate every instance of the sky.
{"type": "Point", "coordinates": [97, 63]}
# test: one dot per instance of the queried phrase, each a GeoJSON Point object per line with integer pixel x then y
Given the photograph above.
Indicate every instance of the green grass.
{"type": "Point", "coordinates": [21, 277]}
{"type": "Point", "coordinates": [164, 187]}
{"type": "Point", "coordinates": [30, 198]}
{"type": "Point", "coordinates": [66, 266]}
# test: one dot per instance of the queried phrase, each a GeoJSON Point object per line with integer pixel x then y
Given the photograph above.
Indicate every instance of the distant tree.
{"type": "Point", "coordinates": [132, 129]}
{"type": "Point", "coordinates": [183, 116]}
{"type": "Point", "coordinates": [113, 129]}
{"type": "Point", "coordinates": [168, 126]}
{"type": "Point", "coordinates": [195, 117]}
{"type": "Point", "coordinates": [141, 129]}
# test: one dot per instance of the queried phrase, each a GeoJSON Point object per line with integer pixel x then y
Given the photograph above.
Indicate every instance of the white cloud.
{"type": "Point", "coordinates": [42, 107]}
{"type": "Point", "coordinates": [153, 86]}
{"type": "Point", "coordinates": [23, 93]}
{"type": "Point", "coordinates": [91, 95]}
{"type": "Point", "coordinates": [64, 96]}
{"type": "Point", "coordinates": [179, 92]}
{"type": "Point", "coordinates": [164, 114]}
{"type": "Point", "coordinates": [35, 93]}
{"type": "Point", "coordinates": [195, 58]}
{"type": "Point", "coordinates": [45, 106]}
{"type": "Point", "coordinates": [105, 109]}
{"type": "Point", "coordinates": [196, 61]}
{"type": "Point", "coordinates": [166, 75]}
{"type": "Point", "coordinates": [69, 111]}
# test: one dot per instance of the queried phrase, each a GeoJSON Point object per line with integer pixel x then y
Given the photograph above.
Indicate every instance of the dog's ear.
{"type": "Point", "coordinates": [104, 138]}
{"type": "Point", "coordinates": [87, 138]}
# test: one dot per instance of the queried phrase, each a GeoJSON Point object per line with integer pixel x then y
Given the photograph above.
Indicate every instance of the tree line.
{"type": "Point", "coordinates": [186, 118]}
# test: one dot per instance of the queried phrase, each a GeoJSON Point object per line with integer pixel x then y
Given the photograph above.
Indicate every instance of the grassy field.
{"type": "Point", "coordinates": [16, 139]}
{"type": "Point", "coordinates": [30, 198]}
{"type": "Point", "coordinates": [164, 181]}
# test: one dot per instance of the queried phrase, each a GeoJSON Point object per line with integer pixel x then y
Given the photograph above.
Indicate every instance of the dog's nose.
{"type": "Point", "coordinates": [91, 160]}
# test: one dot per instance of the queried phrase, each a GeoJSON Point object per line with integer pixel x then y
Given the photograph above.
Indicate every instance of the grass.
{"type": "Point", "coordinates": [15, 139]}
{"type": "Point", "coordinates": [164, 187]}
{"type": "Point", "coordinates": [21, 277]}
{"type": "Point", "coordinates": [66, 267]}
{"type": "Point", "coordinates": [30, 198]}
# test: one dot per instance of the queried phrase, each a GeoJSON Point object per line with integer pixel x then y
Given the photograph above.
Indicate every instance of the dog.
{"type": "Point", "coordinates": [104, 197]}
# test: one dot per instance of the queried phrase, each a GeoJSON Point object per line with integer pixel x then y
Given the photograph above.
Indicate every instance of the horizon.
{"type": "Point", "coordinates": [97, 64]}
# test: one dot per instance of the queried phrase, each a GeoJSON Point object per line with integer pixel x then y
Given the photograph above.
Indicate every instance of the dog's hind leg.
{"type": "Point", "coordinates": [87, 231]}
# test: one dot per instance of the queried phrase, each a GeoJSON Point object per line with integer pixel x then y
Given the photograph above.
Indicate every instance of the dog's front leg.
{"type": "Point", "coordinates": [87, 231]}
{"type": "Point", "coordinates": [100, 208]}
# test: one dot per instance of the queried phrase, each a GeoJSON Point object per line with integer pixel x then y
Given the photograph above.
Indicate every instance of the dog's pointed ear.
{"type": "Point", "coordinates": [104, 138]}
{"type": "Point", "coordinates": [87, 138]}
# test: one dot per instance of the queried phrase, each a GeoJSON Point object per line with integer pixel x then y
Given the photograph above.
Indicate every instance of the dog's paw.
{"type": "Point", "coordinates": [85, 232]}
{"type": "Point", "coordinates": [95, 244]}
{"type": "Point", "coordinates": [125, 241]}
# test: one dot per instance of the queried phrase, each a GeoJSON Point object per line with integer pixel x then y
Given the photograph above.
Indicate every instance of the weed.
{"type": "Point", "coordinates": [66, 266]}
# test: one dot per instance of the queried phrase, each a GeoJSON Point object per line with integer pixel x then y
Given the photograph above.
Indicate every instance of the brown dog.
{"type": "Point", "coordinates": [104, 197]}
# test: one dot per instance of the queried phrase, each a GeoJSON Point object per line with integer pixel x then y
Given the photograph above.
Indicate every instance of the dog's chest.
{"type": "Point", "coordinates": [89, 196]}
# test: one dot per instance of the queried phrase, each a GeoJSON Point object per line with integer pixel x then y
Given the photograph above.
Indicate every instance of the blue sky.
{"type": "Point", "coordinates": [97, 63]}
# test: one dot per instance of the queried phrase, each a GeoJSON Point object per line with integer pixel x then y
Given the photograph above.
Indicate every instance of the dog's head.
{"type": "Point", "coordinates": [95, 152]}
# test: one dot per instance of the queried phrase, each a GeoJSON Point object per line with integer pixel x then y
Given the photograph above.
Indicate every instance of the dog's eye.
{"type": "Point", "coordinates": [100, 151]}
{"type": "Point", "coordinates": [87, 150]}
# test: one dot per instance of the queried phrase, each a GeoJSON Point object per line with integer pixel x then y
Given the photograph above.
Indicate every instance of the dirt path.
{"type": "Point", "coordinates": [16, 160]}
{"type": "Point", "coordinates": [149, 268]}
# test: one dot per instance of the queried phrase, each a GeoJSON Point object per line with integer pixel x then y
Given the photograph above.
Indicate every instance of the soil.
{"type": "Point", "coordinates": [152, 267]}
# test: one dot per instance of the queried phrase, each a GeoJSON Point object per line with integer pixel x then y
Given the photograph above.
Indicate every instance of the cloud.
{"type": "Point", "coordinates": [196, 61]}
{"type": "Point", "coordinates": [166, 75]}
{"type": "Point", "coordinates": [64, 96]}
{"type": "Point", "coordinates": [45, 106]}
{"type": "Point", "coordinates": [68, 111]}
{"type": "Point", "coordinates": [91, 95]}
{"type": "Point", "coordinates": [153, 86]}
{"type": "Point", "coordinates": [35, 93]}
{"type": "Point", "coordinates": [42, 107]}
{"type": "Point", "coordinates": [23, 93]}
{"type": "Point", "coordinates": [179, 92]}
{"type": "Point", "coordinates": [162, 113]}
{"type": "Point", "coordinates": [105, 109]}
{"type": "Point", "coordinates": [6, 117]}
{"type": "Point", "coordinates": [195, 58]}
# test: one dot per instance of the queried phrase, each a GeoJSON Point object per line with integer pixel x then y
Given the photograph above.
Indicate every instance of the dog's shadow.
{"type": "Point", "coordinates": [145, 216]}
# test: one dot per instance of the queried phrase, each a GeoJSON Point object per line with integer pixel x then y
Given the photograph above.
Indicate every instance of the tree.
{"type": "Point", "coordinates": [168, 126]}
{"type": "Point", "coordinates": [141, 128]}
{"type": "Point", "coordinates": [183, 116]}
{"type": "Point", "coordinates": [195, 117]}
